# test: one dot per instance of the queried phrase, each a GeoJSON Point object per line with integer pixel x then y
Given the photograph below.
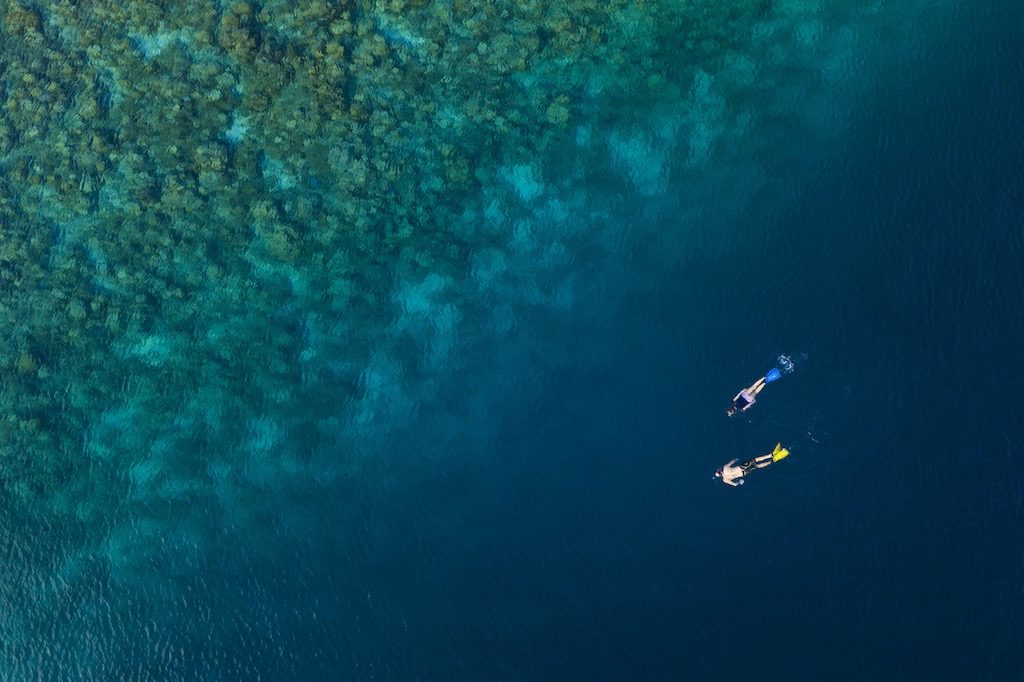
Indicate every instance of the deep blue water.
{"type": "Point", "coordinates": [889, 544]}
{"type": "Point", "coordinates": [551, 512]}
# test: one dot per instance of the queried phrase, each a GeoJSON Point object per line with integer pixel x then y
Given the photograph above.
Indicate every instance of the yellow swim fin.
{"type": "Point", "coordinates": [779, 452]}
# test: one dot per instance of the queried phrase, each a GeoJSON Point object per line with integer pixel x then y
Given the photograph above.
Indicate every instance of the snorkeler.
{"type": "Point", "coordinates": [748, 396]}
{"type": "Point", "coordinates": [731, 474]}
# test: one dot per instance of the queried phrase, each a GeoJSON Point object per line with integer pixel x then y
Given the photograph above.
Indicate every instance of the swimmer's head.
{"type": "Point", "coordinates": [718, 473]}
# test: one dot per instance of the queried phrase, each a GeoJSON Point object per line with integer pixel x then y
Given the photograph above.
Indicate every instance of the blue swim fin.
{"type": "Point", "coordinates": [773, 374]}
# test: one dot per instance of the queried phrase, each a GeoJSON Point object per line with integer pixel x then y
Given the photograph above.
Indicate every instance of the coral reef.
{"type": "Point", "coordinates": [232, 228]}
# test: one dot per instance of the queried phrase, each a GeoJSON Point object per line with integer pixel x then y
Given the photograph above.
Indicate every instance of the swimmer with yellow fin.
{"type": "Point", "coordinates": [732, 474]}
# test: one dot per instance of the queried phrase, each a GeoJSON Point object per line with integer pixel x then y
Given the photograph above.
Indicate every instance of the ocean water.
{"type": "Point", "coordinates": [393, 341]}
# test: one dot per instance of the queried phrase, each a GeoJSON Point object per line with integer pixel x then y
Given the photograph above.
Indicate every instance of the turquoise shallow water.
{"type": "Point", "coordinates": [414, 393]}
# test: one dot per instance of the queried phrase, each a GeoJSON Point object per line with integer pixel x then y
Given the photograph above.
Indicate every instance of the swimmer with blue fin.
{"type": "Point", "coordinates": [732, 474]}
{"type": "Point", "coordinates": [746, 398]}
